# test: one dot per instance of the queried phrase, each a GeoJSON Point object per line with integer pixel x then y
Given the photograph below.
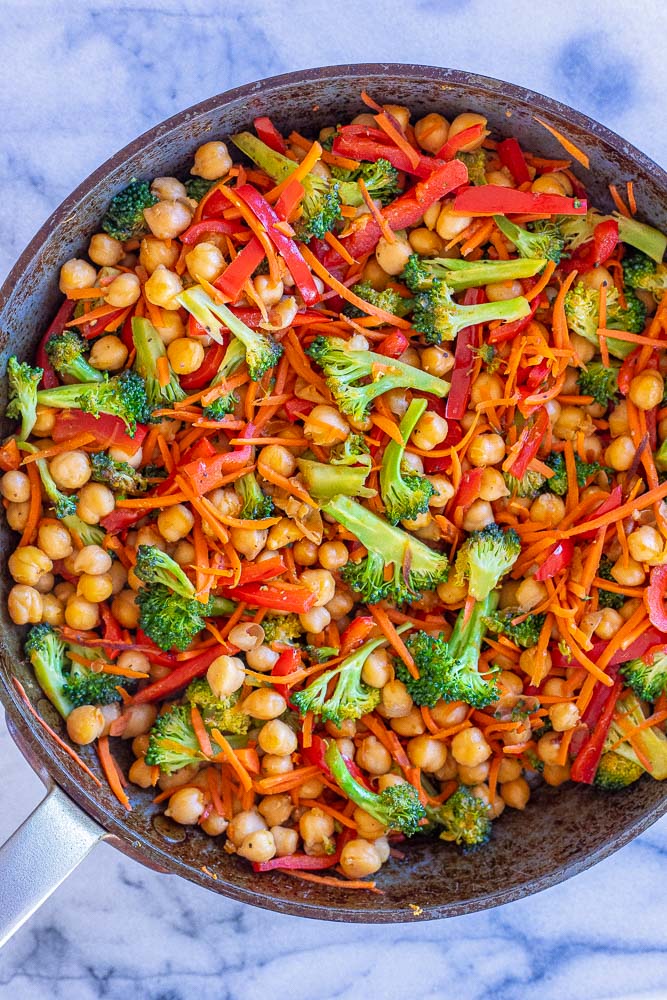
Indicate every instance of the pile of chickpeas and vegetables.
{"type": "Point", "coordinates": [339, 481]}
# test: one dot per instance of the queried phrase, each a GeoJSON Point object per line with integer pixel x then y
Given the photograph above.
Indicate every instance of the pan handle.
{"type": "Point", "coordinates": [45, 849]}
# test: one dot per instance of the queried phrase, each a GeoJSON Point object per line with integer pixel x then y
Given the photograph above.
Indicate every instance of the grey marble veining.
{"type": "Point", "coordinates": [80, 80]}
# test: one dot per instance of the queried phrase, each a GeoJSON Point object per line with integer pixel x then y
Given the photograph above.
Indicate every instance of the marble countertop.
{"type": "Point", "coordinates": [78, 82]}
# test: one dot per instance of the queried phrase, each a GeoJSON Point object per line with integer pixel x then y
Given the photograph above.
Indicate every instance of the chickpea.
{"type": "Point", "coordinates": [499, 291]}
{"type": "Point", "coordinates": [478, 515]}
{"type": "Point", "coordinates": [436, 361]}
{"type": "Point", "coordinates": [214, 825]}
{"type": "Point", "coordinates": [332, 555]}
{"type": "Point", "coordinates": [205, 260]}
{"type": "Point", "coordinates": [123, 291]}
{"type": "Point", "coordinates": [316, 826]}
{"type": "Point", "coordinates": [249, 541]}
{"type": "Point", "coordinates": [185, 355]}
{"type": "Point", "coordinates": [315, 620]}
{"type": "Point", "coordinates": [377, 669]}
{"type": "Point", "coordinates": [396, 701]}
{"type": "Point", "coordinates": [17, 515]}
{"type": "Point", "coordinates": [278, 459]}
{"type": "Point", "coordinates": [225, 675]}
{"type": "Point", "coordinates": [285, 839]}
{"type": "Point", "coordinates": [154, 252]}
{"type": "Point", "coordinates": [276, 737]}
{"type": "Point", "coordinates": [474, 775]}
{"type": "Point", "coordinates": [125, 609]}
{"type": "Point", "coordinates": [269, 290]}
{"type": "Point", "coordinates": [509, 770]}
{"type": "Point", "coordinates": [425, 242]}
{"type": "Point", "coordinates": [70, 469]}
{"type": "Point", "coordinates": [85, 724]}
{"type": "Point", "coordinates": [95, 501]}
{"type": "Point", "coordinates": [530, 593]}
{"type": "Point", "coordinates": [628, 575]}
{"type": "Point", "coordinates": [45, 422]}
{"type": "Point", "coordinates": [399, 113]}
{"type": "Point", "coordinates": [431, 132]}
{"type": "Point", "coordinates": [15, 486]}
{"type": "Point", "coordinates": [275, 764]}
{"type": "Point", "coordinates": [392, 257]}
{"type": "Point", "coordinates": [25, 605]}
{"type": "Point", "coordinates": [212, 161]}
{"type": "Point", "coordinates": [469, 747]}
{"type": "Point", "coordinates": [184, 776]}
{"type": "Point", "coordinates": [186, 806]}
{"type": "Point", "coordinates": [324, 426]}
{"type": "Point", "coordinates": [162, 288]}
{"type": "Point", "coordinates": [45, 583]}
{"type": "Point", "coordinates": [501, 178]}
{"type": "Point", "coordinates": [28, 563]}
{"type": "Point", "coordinates": [645, 544]}
{"type": "Point", "coordinates": [430, 431]}
{"type": "Point", "coordinates": [528, 662]}
{"type": "Point", "coordinates": [133, 459]}
{"type": "Point", "coordinates": [359, 858]}
{"type": "Point", "coordinates": [548, 747]}
{"type": "Point", "coordinates": [244, 823]}
{"type": "Point", "coordinates": [341, 603]}
{"type": "Point", "coordinates": [548, 509]}
{"type": "Point", "coordinates": [263, 658]}
{"type": "Point", "coordinates": [95, 588]}
{"type": "Point", "coordinates": [305, 552]}
{"type": "Point", "coordinates": [564, 715]}
{"type": "Point", "coordinates": [548, 184]}
{"type": "Point", "coordinates": [76, 273]}
{"type": "Point", "coordinates": [265, 703]}
{"type": "Point", "coordinates": [109, 353]}
{"type": "Point", "coordinates": [556, 774]}
{"type": "Point", "coordinates": [451, 592]}
{"type": "Point", "coordinates": [321, 583]}
{"type": "Point", "coordinates": [570, 421]}
{"type": "Point", "coordinates": [487, 386]}
{"type": "Point", "coordinates": [168, 189]}
{"type": "Point", "coordinates": [411, 724]}
{"type": "Point", "coordinates": [596, 278]}
{"type": "Point", "coordinates": [168, 219]}
{"type": "Point", "coordinates": [141, 773]}
{"type": "Point", "coordinates": [621, 453]}
{"type": "Point", "coordinates": [449, 225]}
{"type": "Point", "coordinates": [276, 809]}
{"type": "Point", "coordinates": [105, 250]}
{"type": "Point", "coordinates": [92, 559]}
{"type": "Point", "coordinates": [259, 846]}
{"type": "Point", "coordinates": [81, 613]}
{"type": "Point", "coordinates": [647, 389]}
{"type": "Point", "coordinates": [365, 119]}
{"type": "Point", "coordinates": [428, 754]}
{"type": "Point", "coordinates": [175, 522]}
{"type": "Point", "coordinates": [618, 420]}
{"type": "Point", "coordinates": [492, 485]}
{"type": "Point", "coordinates": [515, 794]}
{"type": "Point", "coordinates": [468, 120]}
{"type": "Point", "coordinates": [486, 449]}
{"type": "Point", "coordinates": [53, 612]}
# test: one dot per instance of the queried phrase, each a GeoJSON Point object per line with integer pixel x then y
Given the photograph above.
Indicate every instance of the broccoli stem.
{"type": "Point", "coordinates": [462, 274]}
{"type": "Point", "coordinates": [391, 480]}
{"type": "Point", "coordinates": [150, 349]}
{"type": "Point", "coordinates": [466, 639]}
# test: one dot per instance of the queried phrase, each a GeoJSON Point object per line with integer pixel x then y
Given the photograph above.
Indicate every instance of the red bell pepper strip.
{"type": "Point", "coordinates": [269, 595]}
{"type": "Point", "coordinates": [596, 251]}
{"type": "Point", "coordinates": [287, 663]}
{"type": "Point", "coordinates": [266, 570]}
{"type": "Point", "coordinates": [234, 277]}
{"type": "Point", "coordinates": [98, 326]}
{"type": "Point", "coordinates": [295, 408]}
{"type": "Point", "coordinates": [464, 359]}
{"type": "Point", "coordinates": [453, 145]}
{"type": "Point", "coordinates": [393, 345]}
{"type": "Point", "coordinates": [253, 317]}
{"type": "Point", "coordinates": [180, 677]}
{"type": "Point", "coordinates": [560, 556]}
{"type": "Point", "coordinates": [358, 142]}
{"type": "Point", "coordinates": [126, 333]}
{"type": "Point", "coordinates": [508, 331]}
{"type": "Point", "coordinates": [638, 648]}
{"type": "Point", "coordinates": [285, 245]}
{"type": "Point", "coordinates": [208, 473]}
{"type": "Point", "coordinates": [215, 205]}
{"type": "Point", "coordinates": [298, 862]}
{"type": "Point", "coordinates": [109, 431]}
{"type": "Point", "coordinates": [535, 376]}
{"type": "Point", "coordinates": [587, 760]}
{"type": "Point", "coordinates": [626, 372]}
{"type": "Point", "coordinates": [614, 500]}
{"type": "Point", "coordinates": [50, 379]}
{"type": "Point", "coordinates": [654, 598]}
{"type": "Point", "coordinates": [290, 198]}
{"type": "Point", "coordinates": [492, 199]}
{"type": "Point", "coordinates": [269, 134]}
{"type": "Point", "coordinates": [356, 633]}
{"type": "Point", "coordinates": [593, 710]}
{"type": "Point", "coordinates": [511, 156]}
{"type": "Point", "coordinates": [530, 440]}
{"type": "Point", "coordinates": [226, 226]}
{"type": "Point", "coordinates": [207, 369]}
{"type": "Point", "coordinates": [468, 490]}
{"type": "Point", "coordinates": [314, 755]}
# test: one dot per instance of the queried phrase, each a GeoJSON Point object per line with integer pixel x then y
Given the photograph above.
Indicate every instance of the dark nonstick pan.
{"type": "Point", "coordinates": [562, 831]}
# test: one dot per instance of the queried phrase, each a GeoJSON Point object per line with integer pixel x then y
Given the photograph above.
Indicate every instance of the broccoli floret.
{"type": "Point", "coordinates": [121, 396]}
{"type": "Point", "coordinates": [149, 351]}
{"type": "Point", "coordinates": [558, 482]}
{"type": "Point", "coordinates": [647, 680]}
{"type": "Point", "coordinates": [262, 352]}
{"type": "Point", "coordinates": [389, 300]}
{"type": "Point", "coordinates": [85, 687]}
{"type": "Point", "coordinates": [326, 481]}
{"type": "Point", "coordinates": [380, 178]}
{"type": "Point", "coordinates": [46, 652]}
{"type": "Point", "coordinates": [233, 359]}
{"type": "Point", "coordinates": [529, 485]}
{"type": "Point", "coordinates": [652, 741]}
{"type": "Point", "coordinates": [22, 395]}
{"type": "Point", "coordinates": [420, 273]}
{"type": "Point", "coordinates": [351, 698]}
{"type": "Point", "coordinates": [221, 407]}
{"type": "Point", "coordinates": [86, 534]}
{"type": "Point", "coordinates": [639, 271]}
{"type": "Point", "coordinates": [404, 497]}
{"type": "Point", "coordinates": [485, 557]}
{"type": "Point", "coordinates": [546, 240]}
{"type": "Point", "coordinates": [124, 218]}
{"type": "Point", "coordinates": [118, 476]}
{"type": "Point", "coordinates": [352, 451]}
{"type": "Point", "coordinates": [488, 356]}
{"type": "Point", "coordinates": [223, 714]}
{"type": "Point", "coordinates": [439, 318]}
{"type": "Point", "coordinates": [256, 504]}
{"type": "Point", "coordinates": [197, 187]}
{"type": "Point", "coordinates": [599, 381]}
{"type": "Point", "coordinates": [282, 628]}
{"type": "Point", "coordinates": [63, 504]}
{"type": "Point", "coordinates": [320, 654]}
{"type": "Point", "coordinates": [582, 311]}
{"type": "Point", "coordinates": [397, 807]}
{"type": "Point", "coordinates": [616, 772]}
{"type": "Point", "coordinates": [476, 165]}
{"type": "Point", "coordinates": [525, 633]}
{"type": "Point", "coordinates": [607, 598]}
{"type": "Point", "coordinates": [463, 817]}
{"type": "Point", "coordinates": [578, 229]}
{"type": "Point", "coordinates": [344, 367]}
{"type": "Point", "coordinates": [66, 352]}
{"type": "Point", "coordinates": [414, 566]}
{"type": "Point", "coordinates": [172, 741]}
{"type": "Point", "coordinates": [448, 669]}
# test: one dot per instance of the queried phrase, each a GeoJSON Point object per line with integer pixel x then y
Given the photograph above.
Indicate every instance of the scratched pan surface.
{"type": "Point", "coordinates": [562, 832]}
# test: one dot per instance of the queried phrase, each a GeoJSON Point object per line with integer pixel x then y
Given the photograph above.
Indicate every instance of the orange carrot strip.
{"type": "Point", "coordinates": [109, 767]}
{"type": "Point", "coordinates": [232, 759]}
{"type": "Point", "coordinates": [393, 638]}
{"type": "Point", "coordinates": [339, 247]}
{"type": "Point", "coordinates": [200, 731]}
{"type": "Point", "coordinates": [98, 313]}
{"type": "Point", "coordinates": [618, 201]}
{"type": "Point", "coordinates": [542, 283]}
{"type": "Point", "coordinates": [566, 143]}
{"type": "Point", "coordinates": [329, 880]}
{"type": "Point", "coordinates": [630, 188]}
{"type": "Point", "coordinates": [85, 293]}
{"type": "Point", "coordinates": [341, 817]}
{"type": "Point", "coordinates": [625, 510]}
{"type": "Point", "coordinates": [385, 229]}
{"type": "Point", "coordinates": [349, 296]}
{"type": "Point", "coordinates": [307, 730]}
{"type": "Point", "coordinates": [78, 441]}
{"type": "Point", "coordinates": [35, 507]}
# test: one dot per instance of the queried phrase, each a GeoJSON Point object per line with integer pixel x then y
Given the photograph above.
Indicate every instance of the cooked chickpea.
{"type": "Point", "coordinates": [556, 774]}
{"type": "Point", "coordinates": [332, 555]}
{"type": "Point", "coordinates": [184, 775]}
{"type": "Point", "coordinates": [185, 355]}
{"type": "Point", "coordinates": [269, 289]}
{"type": "Point", "coordinates": [509, 770]}
{"type": "Point", "coordinates": [285, 839]}
{"type": "Point", "coordinates": [248, 541]}
{"type": "Point", "coordinates": [373, 756]}
{"type": "Point", "coordinates": [214, 825]}
{"type": "Point", "coordinates": [315, 620]}
{"type": "Point", "coordinates": [162, 288]}
{"type": "Point", "coordinates": [436, 361]}
{"type": "Point", "coordinates": [487, 386]}
{"type": "Point", "coordinates": [411, 724]}
{"type": "Point", "coordinates": [81, 613]}
{"type": "Point", "coordinates": [205, 260]}
{"type": "Point", "coordinates": [548, 184]}
{"type": "Point", "coordinates": [548, 747]}
{"type": "Point", "coordinates": [17, 515]}
{"type": "Point", "coordinates": [278, 459]}
{"type": "Point", "coordinates": [175, 522]}
{"type": "Point", "coordinates": [105, 250]}
{"type": "Point", "coordinates": [305, 552]}
{"type": "Point", "coordinates": [276, 737]}
{"type": "Point", "coordinates": [474, 775]}
{"type": "Point", "coordinates": [265, 703]}
{"type": "Point", "coordinates": [123, 291]}
{"type": "Point", "coordinates": [501, 178]}
{"type": "Point", "coordinates": [392, 257]}
{"type": "Point", "coordinates": [377, 669]}
{"type": "Point", "coordinates": [154, 252]}
{"type": "Point", "coordinates": [469, 747]}
{"type": "Point", "coordinates": [76, 273]}
{"type": "Point", "coordinates": [645, 544]}
{"type": "Point", "coordinates": [212, 161]}
{"type": "Point", "coordinates": [529, 665]}
{"type": "Point", "coordinates": [630, 574]}
{"type": "Point", "coordinates": [247, 636]}
{"type": "Point", "coordinates": [621, 453]}
{"type": "Point", "coordinates": [258, 846]}
{"type": "Point", "coordinates": [515, 794]}
{"type": "Point", "coordinates": [92, 559]}
{"type": "Point", "coordinates": [451, 592]}
{"type": "Point", "coordinates": [499, 291]}
{"type": "Point", "coordinates": [478, 515]}
{"type": "Point", "coordinates": [340, 604]}
{"type": "Point", "coordinates": [133, 458]}
{"type": "Point", "coordinates": [95, 588]}
{"type": "Point", "coordinates": [70, 469]}
{"type": "Point", "coordinates": [647, 389]}
{"type": "Point", "coordinates": [428, 754]}
{"type": "Point", "coordinates": [316, 827]}
{"type": "Point", "coordinates": [468, 120]}
{"type": "Point", "coordinates": [243, 824]}
{"type": "Point", "coordinates": [108, 354]}
{"type": "Point", "coordinates": [225, 675]}
{"type": "Point", "coordinates": [275, 764]}
{"type": "Point", "coordinates": [45, 421]}
{"type": "Point", "coordinates": [570, 421]}
{"type": "Point", "coordinates": [321, 583]}
{"type": "Point", "coordinates": [276, 809]}
{"type": "Point", "coordinates": [324, 426]}
{"type": "Point", "coordinates": [53, 613]}
{"type": "Point", "coordinates": [95, 501]}
{"type": "Point", "coordinates": [431, 132]}
{"type": "Point", "coordinates": [547, 509]}
{"type": "Point", "coordinates": [45, 583]}
{"type": "Point", "coordinates": [186, 806]}
{"type": "Point", "coordinates": [168, 219]}
{"type": "Point", "coordinates": [486, 449]}
{"type": "Point", "coordinates": [125, 609]}
{"type": "Point", "coordinates": [449, 225]}
{"type": "Point", "coordinates": [530, 593]}
{"type": "Point", "coordinates": [618, 420]}
{"type": "Point", "coordinates": [430, 431]}
{"type": "Point", "coordinates": [359, 858]}
{"type": "Point", "coordinates": [25, 605]}
{"type": "Point", "coordinates": [492, 485]}
{"type": "Point", "coordinates": [168, 189]}
{"type": "Point", "coordinates": [85, 724]}
{"type": "Point", "coordinates": [396, 701]}
{"type": "Point", "coordinates": [28, 563]}
{"type": "Point", "coordinates": [425, 242]}
{"type": "Point", "coordinates": [597, 277]}
{"type": "Point", "coordinates": [444, 490]}
{"type": "Point", "coordinates": [564, 715]}
{"type": "Point", "coordinates": [399, 113]}
{"type": "Point", "coordinates": [141, 773]}
{"type": "Point", "coordinates": [15, 486]}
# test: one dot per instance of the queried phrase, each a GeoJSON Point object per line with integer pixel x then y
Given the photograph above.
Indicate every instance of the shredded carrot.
{"type": "Point", "coordinates": [77, 441]}
{"type": "Point", "coordinates": [542, 282]}
{"type": "Point", "coordinates": [339, 247]}
{"type": "Point", "coordinates": [231, 758]}
{"type": "Point", "coordinates": [329, 880]}
{"type": "Point", "coordinates": [618, 201]}
{"type": "Point", "coordinates": [85, 293]}
{"type": "Point", "coordinates": [387, 232]}
{"type": "Point", "coordinates": [110, 769]}
{"type": "Point", "coordinates": [630, 188]}
{"type": "Point", "coordinates": [393, 638]}
{"type": "Point", "coordinates": [567, 144]}
{"type": "Point", "coordinates": [163, 372]}
{"type": "Point", "coordinates": [35, 506]}
{"type": "Point", "coordinates": [94, 314]}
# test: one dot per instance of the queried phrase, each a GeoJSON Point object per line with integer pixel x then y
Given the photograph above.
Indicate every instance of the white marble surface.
{"type": "Point", "coordinates": [79, 80]}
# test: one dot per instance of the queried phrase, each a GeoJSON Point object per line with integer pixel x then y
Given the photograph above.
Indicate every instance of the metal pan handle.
{"type": "Point", "coordinates": [49, 845]}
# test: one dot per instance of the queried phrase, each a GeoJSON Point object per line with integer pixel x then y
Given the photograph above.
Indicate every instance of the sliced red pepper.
{"type": "Point", "coordinates": [492, 199]}
{"type": "Point", "coordinates": [253, 317]}
{"type": "Point", "coordinates": [98, 326]}
{"type": "Point", "coordinates": [360, 142]}
{"type": "Point", "coordinates": [208, 473]}
{"type": "Point", "coordinates": [290, 198]}
{"type": "Point", "coordinates": [126, 333]}
{"type": "Point", "coordinates": [393, 345]}
{"type": "Point", "coordinates": [226, 226]}
{"type": "Point", "coordinates": [234, 277]}
{"type": "Point", "coordinates": [468, 490]}
{"type": "Point", "coordinates": [529, 441]}
{"type": "Point", "coordinates": [269, 134]}
{"type": "Point", "coordinates": [285, 245]}
{"type": "Point", "coordinates": [215, 205]}
{"type": "Point", "coordinates": [10, 456]}
{"type": "Point", "coordinates": [559, 557]}
{"type": "Point", "coordinates": [535, 376]}
{"type": "Point", "coordinates": [626, 372]}
{"type": "Point", "coordinates": [287, 663]}
{"type": "Point", "coordinates": [443, 463]}
{"type": "Point", "coordinates": [654, 598]}
{"type": "Point", "coordinates": [180, 677]}
{"type": "Point", "coordinates": [508, 331]}
{"type": "Point", "coordinates": [356, 633]}
{"type": "Point", "coordinates": [464, 359]}
{"type": "Point", "coordinates": [295, 408]}
{"type": "Point", "coordinates": [112, 631]}
{"type": "Point", "coordinates": [298, 862]}
{"type": "Point", "coordinates": [207, 369]}
{"type": "Point", "coordinates": [594, 252]}
{"type": "Point", "coordinates": [50, 379]}
{"type": "Point", "coordinates": [269, 595]}
{"type": "Point", "coordinates": [586, 762]}
{"type": "Point", "coordinates": [266, 570]}
{"type": "Point", "coordinates": [456, 143]}
{"type": "Point", "coordinates": [511, 156]}
{"type": "Point", "coordinates": [614, 500]}
{"type": "Point", "coordinates": [109, 431]}
{"type": "Point", "coordinates": [651, 637]}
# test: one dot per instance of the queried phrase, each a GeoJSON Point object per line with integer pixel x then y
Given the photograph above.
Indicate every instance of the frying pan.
{"type": "Point", "coordinates": [563, 831]}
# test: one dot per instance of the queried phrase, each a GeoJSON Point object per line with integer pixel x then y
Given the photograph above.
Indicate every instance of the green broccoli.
{"type": "Point", "coordinates": [529, 485]}
{"type": "Point", "coordinates": [405, 497]}
{"type": "Point", "coordinates": [463, 817]}
{"type": "Point", "coordinates": [118, 476]}
{"type": "Point", "coordinates": [489, 357]}
{"type": "Point", "coordinates": [282, 628]}
{"type": "Point", "coordinates": [84, 686]}
{"type": "Point", "coordinates": [326, 481]}
{"type": "Point", "coordinates": [439, 318]}
{"type": "Point", "coordinates": [389, 300]}
{"type": "Point", "coordinates": [224, 714]}
{"type": "Point", "coordinates": [652, 741]}
{"type": "Point", "coordinates": [608, 598]}
{"type": "Point", "coordinates": [616, 772]}
{"type": "Point", "coordinates": [149, 350]}
{"type": "Point", "coordinates": [197, 187]}
{"type": "Point", "coordinates": [545, 240]}
{"type": "Point", "coordinates": [351, 698]}
{"type": "Point", "coordinates": [457, 274]}
{"type": "Point", "coordinates": [414, 566]}
{"type": "Point", "coordinates": [344, 367]}
{"type": "Point", "coordinates": [380, 178]}
{"type": "Point", "coordinates": [124, 218]}
{"type": "Point", "coordinates": [352, 451]}
{"type": "Point", "coordinates": [232, 360]}
{"type": "Point", "coordinates": [22, 394]}
{"type": "Point", "coordinates": [86, 534]}
{"type": "Point", "coordinates": [63, 504]}
{"type": "Point", "coordinates": [256, 504]}
{"type": "Point", "coordinates": [476, 165]}
{"type": "Point", "coordinates": [448, 669]}
{"type": "Point", "coordinates": [66, 352]}
{"type": "Point", "coordinates": [558, 482]}
{"type": "Point", "coordinates": [582, 311]}
{"type": "Point", "coordinates": [485, 557]}
{"type": "Point", "coordinates": [647, 680]}
{"type": "Point", "coordinates": [397, 807]}
{"type": "Point", "coordinates": [524, 634]}
{"type": "Point", "coordinates": [578, 229]}
{"type": "Point", "coordinates": [320, 654]}
{"type": "Point", "coordinates": [172, 742]}
{"type": "Point", "coordinates": [262, 352]}
{"type": "Point", "coordinates": [121, 396]}
{"type": "Point", "coordinates": [599, 381]}
{"type": "Point", "coordinates": [640, 272]}
{"type": "Point", "coordinates": [46, 652]}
